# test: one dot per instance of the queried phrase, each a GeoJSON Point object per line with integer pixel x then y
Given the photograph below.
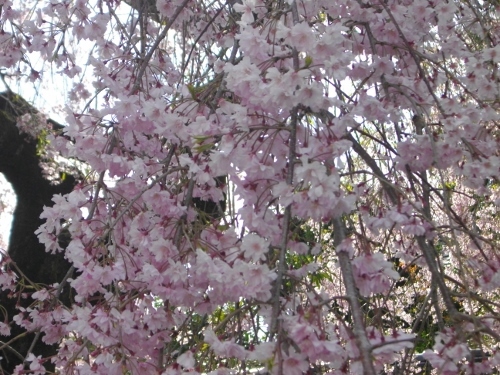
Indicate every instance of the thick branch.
{"type": "Point", "coordinates": [20, 163]}
{"type": "Point", "coordinates": [353, 298]}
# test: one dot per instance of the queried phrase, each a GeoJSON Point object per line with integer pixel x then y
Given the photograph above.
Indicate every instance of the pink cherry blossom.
{"type": "Point", "coordinates": [254, 247]}
{"type": "Point", "coordinates": [295, 365]}
{"type": "Point", "coordinates": [373, 273]}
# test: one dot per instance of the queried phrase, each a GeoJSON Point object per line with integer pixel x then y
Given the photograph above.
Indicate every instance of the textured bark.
{"type": "Point", "coordinates": [145, 7]}
{"type": "Point", "coordinates": [20, 164]}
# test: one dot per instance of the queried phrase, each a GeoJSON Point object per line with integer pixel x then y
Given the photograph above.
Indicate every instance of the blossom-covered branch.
{"type": "Point", "coordinates": [281, 186]}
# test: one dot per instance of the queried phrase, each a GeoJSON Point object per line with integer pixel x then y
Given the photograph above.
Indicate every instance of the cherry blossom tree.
{"type": "Point", "coordinates": [283, 187]}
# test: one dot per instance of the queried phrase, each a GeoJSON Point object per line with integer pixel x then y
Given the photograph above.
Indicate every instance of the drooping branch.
{"type": "Point", "coordinates": [427, 250]}
{"type": "Point", "coordinates": [353, 298]}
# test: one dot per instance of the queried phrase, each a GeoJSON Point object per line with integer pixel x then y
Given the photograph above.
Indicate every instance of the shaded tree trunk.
{"type": "Point", "coordinates": [20, 164]}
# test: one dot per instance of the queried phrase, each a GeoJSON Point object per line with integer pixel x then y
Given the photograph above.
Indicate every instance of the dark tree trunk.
{"type": "Point", "coordinates": [20, 164]}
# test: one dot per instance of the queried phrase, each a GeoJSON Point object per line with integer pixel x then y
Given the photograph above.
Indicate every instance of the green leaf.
{"type": "Point", "coordinates": [308, 61]}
